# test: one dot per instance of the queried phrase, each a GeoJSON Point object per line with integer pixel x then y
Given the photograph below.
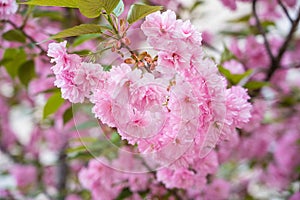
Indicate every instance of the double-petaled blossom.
{"type": "Point", "coordinates": [175, 115]}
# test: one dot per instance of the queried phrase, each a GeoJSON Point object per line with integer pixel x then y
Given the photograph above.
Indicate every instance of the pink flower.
{"type": "Point", "coordinates": [73, 197]}
{"type": "Point", "coordinates": [7, 8]}
{"type": "Point", "coordinates": [180, 178]}
{"type": "Point", "coordinates": [287, 152]}
{"type": "Point", "coordinates": [159, 25]}
{"type": "Point", "coordinates": [95, 178]}
{"type": "Point", "coordinates": [103, 107]}
{"type": "Point", "coordinates": [25, 175]}
{"type": "Point", "coordinates": [238, 108]}
{"type": "Point", "coordinates": [295, 196]}
{"type": "Point", "coordinates": [89, 77]}
{"type": "Point", "coordinates": [218, 189]}
{"type": "Point", "coordinates": [234, 67]}
{"type": "Point", "coordinates": [230, 4]}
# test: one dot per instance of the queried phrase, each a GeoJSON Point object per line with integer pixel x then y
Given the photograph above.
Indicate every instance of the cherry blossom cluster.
{"type": "Point", "coordinates": [175, 113]}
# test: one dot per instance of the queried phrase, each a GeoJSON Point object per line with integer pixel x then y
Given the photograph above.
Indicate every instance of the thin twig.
{"type": "Point", "coordinates": [27, 36]}
{"type": "Point", "coordinates": [285, 11]}
{"type": "Point", "coordinates": [284, 47]}
{"type": "Point", "coordinates": [262, 31]}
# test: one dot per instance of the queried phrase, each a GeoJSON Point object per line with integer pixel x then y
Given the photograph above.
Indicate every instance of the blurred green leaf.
{"type": "Point", "coordinates": [53, 15]}
{"type": "Point", "coordinates": [115, 138]}
{"type": "Point", "coordinates": [59, 3]}
{"type": "Point", "coordinates": [83, 38]}
{"type": "Point", "coordinates": [255, 85]}
{"type": "Point", "coordinates": [53, 104]}
{"type": "Point", "coordinates": [242, 19]}
{"type": "Point", "coordinates": [227, 55]}
{"type": "Point", "coordinates": [79, 30]}
{"type": "Point", "coordinates": [234, 79]}
{"type": "Point", "coordinates": [93, 8]}
{"type": "Point", "coordinates": [196, 4]}
{"type": "Point", "coordinates": [26, 72]}
{"type": "Point", "coordinates": [125, 193]}
{"type": "Point", "coordinates": [13, 58]}
{"type": "Point", "coordinates": [84, 52]}
{"type": "Point", "coordinates": [139, 11]}
{"type": "Point", "coordinates": [14, 35]}
{"type": "Point", "coordinates": [106, 67]}
{"type": "Point", "coordinates": [68, 115]}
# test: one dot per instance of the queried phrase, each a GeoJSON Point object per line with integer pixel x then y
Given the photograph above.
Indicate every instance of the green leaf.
{"type": "Point", "coordinates": [115, 138]}
{"type": "Point", "coordinates": [196, 4]}
{"type": "Point", "coordinates": [59, 3]}
{"type": "Point", "coordinates": [68, 115]}
{"type": "Point", "coordinates": [26, 72]}
{"type": "Point", "coordinates": [53, 104]}
{"type": "Point", "coordinates": [242, 19]}
{"type": "Point", "coordinates": [53, 15]}
{"type": "Point", "coordinates": [227, 55]}
{"type": "Point", "coordinates": [255, 85]}
{"type": "Point", "coordinates": [234, 79]}
{"type": "Point", "coordinates": [14, 35]}
{"type": "Point", "coordinates": [139, 11]}
{"type": "Point", "coordinates": [79, 30]}
{"type": "Point", "coordinates": [106, 67]}
{"type": "Point", "coordinates": [13, 59]}
{"type": "Point", "coordinates": [119, 9]}
{"type": "Point", "coordinates": [125, 193]}
{"type": "Point", "coordinates": [83, 38]}
{"type": "Point", "coordinates": [84, 52]}
{"type": "Point", "coordinates": [93, 8]}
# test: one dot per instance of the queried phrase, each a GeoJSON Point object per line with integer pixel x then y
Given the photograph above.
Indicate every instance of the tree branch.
{"type": "Point", "coordinates": [276, 64]}
{"type": "Point", "coordinates": [285, 11]}
{"type": "Point", "coordinates": [262, 32]}
{"type": "Point", "coordinates": [62, 173]}
{"type": "Point", "coordinates": [26, 35]}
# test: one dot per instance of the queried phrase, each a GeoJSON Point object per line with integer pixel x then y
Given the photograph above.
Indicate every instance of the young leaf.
{"type": "Point", "coordinates": [242, 19]}
{"type": "Point", "coordinates": [68, 115]}
{"type": "Point", "coordinates": [234, 79]}
{"type": "Point", "coordinates": [79, 30]}
{"type": "Point", "coordinates": [13, 58]}
{"type": "Point", "coordinates": [53, 104]}
{"type": "Point", "coordinates": [26, 72]}
{"type": "Point", "coordinates": [14, 36]}
{"type": "Point", "coordinates": [53, 15]}
{"type": "Point", "coordinates": [119, 9]}
{"type": "Point", "coordinates": [93, 8]}
{"type": "Point", "coordinates": [59, 3]}
{"type": "Point", "coordinates": [227, 55]}
{"type": "Point", "coordinates": [83, 38]}
{"type": "Point", "coordinates": [255, 85]}
{"type": "Point", "coordinates": [139, 11]}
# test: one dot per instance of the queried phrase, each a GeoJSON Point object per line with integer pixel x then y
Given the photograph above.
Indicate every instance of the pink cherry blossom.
{"type": "Point", "coordinates": [234, 67]}
{"type": "Point", "coordinates": [238, 108]}
{"type": "Point", "coordinates": [7, 8]}
{"type": "Point", "coordinates": [25, 175]}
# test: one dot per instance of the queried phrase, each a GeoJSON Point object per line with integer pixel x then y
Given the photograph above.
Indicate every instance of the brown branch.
{"type": "Point", "coordinates": [262, 32]}
{"type": "Point", "coordinates": [62, 173]}
{"type": "Point", "coordinates": [276, 64]}
{"type": "Point", "coordinates": [285, 11]}
{"type": "Point", "coordinates": [44, 52]}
